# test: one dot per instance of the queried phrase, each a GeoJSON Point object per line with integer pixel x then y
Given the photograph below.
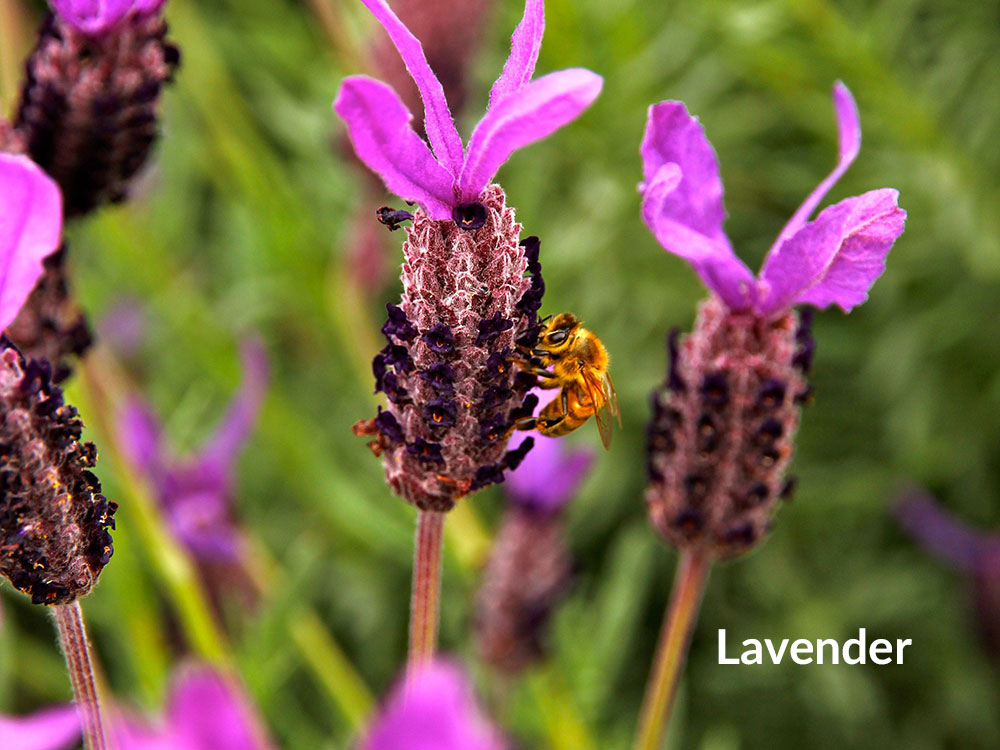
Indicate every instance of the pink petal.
{"type": "Point", "coordinates": [378, 124]}
{"type": "Point", "coordinates": [438, 123]}
{"type": "Point", "coordinates": [56, 728]}
{"type": "Point", "coordinates": [208, 710]}
{"type": "Point", "coordinates": [92, 17]}
{"type": "Point", "coordinates": [675, 137]}
{"type": "Point", "coordinates": [712, 258]}
{"type": "Point", "coordinates": [534, 112]}
{"type": "Point", "coordinates": [525, 44]}
{"type": "Point", "coordinates": [849, 132]}
{"type": "Point", "coordinates": [942, 534]}
{"type": "Point", "coordinates": [550, 475]}
{"type": "Point", "coordinates": [836, 258]}
{"type": "Point", "coordinates": [30, 229]}
{"type": "Point", "coordinates": [433, 709]}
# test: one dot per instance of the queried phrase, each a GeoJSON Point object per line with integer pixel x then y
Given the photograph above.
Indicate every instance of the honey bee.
{"type": "Point", "coordinates": [569, 357]}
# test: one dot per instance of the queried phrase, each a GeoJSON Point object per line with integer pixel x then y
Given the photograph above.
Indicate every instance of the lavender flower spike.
{"type": "Point", "coordinates": [55, 728]}
{"type": "Point", "coordinates": [446, 179]}
{"type": "Point", "coordinates": [723, 425]}
{"type": "Point", "coordinates": [432, 709]}
{"type": "Point", "coordinates": [196, 493]}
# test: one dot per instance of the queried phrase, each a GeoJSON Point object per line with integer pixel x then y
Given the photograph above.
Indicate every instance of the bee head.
{"type": "Point", "coordinates": [558, 335]}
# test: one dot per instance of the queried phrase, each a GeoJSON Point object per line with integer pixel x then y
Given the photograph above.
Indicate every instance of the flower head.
{"type": "Point", "coordinates": [196, 492]}
{"type": "Point", "coordinates": [95, 17]}
{"type": "Point", "coordinates": [433, 708]}
{"type": "Point", "coordinates": [724, 421]}
{"type": "Point", "coordinates": [447, 179]}
{"type": "Point", "coordinates": [833, 259]}
{"type": "Point", "coordinates": [55, 728]}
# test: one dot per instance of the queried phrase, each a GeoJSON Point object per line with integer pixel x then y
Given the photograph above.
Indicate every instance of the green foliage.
{"type": "Point", "coordinates": [243, 225]}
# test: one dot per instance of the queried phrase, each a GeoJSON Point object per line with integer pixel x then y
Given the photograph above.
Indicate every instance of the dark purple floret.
{"type": "Point", "coordinates": [394, 390]}
{"type": "Point", "coordinates": [392, 217]}
{"type": "Point", "coordinates": [425, 451]}
{"type": "Point", "coordinates": [440, 339]}
{"type": "Point", "coordinates": [487, 475]}
{"type": "Point", "coordinates": [526, 409]}
{"type": "Point", "coordinates": [490, 329]}
{"type": "Point", "coordinates": [388, 426]}
{"type": "Point", "coordinates": [397, 325]}
{"type": "Point", "coordinates": [497, 365]}
{"type": "Point", "coordinates": [398, 357]}
{"type": "Point", "coordinates": [54, 523]}
{"type": "Point", "coordinates": [469, 216]}
{"type": "Point", "coordinates": [513, 458]}
{"type": "Point", "coordinates": [493, 428]}
{"type": "Point", "coordinates": [495, 395]}
{"type": "Point", "coordinates": [440, 377]}
{"type": "Point", "coordinates": [441, 412]}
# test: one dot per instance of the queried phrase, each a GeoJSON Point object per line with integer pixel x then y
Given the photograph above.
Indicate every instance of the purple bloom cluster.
{"type": "Point", "coordinates": [723, 425]}
{"type": "Point", "coordinates": [446, 369]}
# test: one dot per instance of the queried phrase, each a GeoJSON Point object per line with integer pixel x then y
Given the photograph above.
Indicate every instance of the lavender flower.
{"type": "Point", "coordinates": [975, 553]}
{"type": "Point", "coordinates": [446, 371]}
{"type": "Point", "coordinates": [529, 569]}
{"type": "Point", "coordinates": [723, 426]}
{"type": "Point", "coordinates": [433, 709]}
{"type": "Point", "coordinates": [449, 182]}
{"type": "Point", "coordinates": [196, 492]}
{"type": "Point", "coordinates": [55, 728]}
{"type": "Point", "coordinates": [89, 106]}
{"type": "Point", "coordinates": [206, 711]}
{"type": "Point", "coordinates": [54, 523]}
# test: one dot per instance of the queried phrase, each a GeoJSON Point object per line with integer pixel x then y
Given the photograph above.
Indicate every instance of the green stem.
{"type": "Point", "coordinates": [424, 603]}
{"type": "Point", "coordinates": [671, 652]}
{"type": "Point", "coordinates": [73, 637]}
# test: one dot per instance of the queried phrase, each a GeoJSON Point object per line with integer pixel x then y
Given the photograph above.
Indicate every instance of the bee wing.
{"type": "Point", "coordinates": [611, 398]}
{"type": "Point", "coordinates": [595, 392]}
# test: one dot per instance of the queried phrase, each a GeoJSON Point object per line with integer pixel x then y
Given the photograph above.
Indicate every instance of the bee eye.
{"type": "Point", "coordinates": [558, 337]}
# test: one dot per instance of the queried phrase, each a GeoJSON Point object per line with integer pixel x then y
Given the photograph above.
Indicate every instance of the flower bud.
{"type": "Point", "coordinates": [54, 523]}
{"type": "Point", "coordinates": [88, 110]}
{"type": "Point", "coordinates": [723, 428]}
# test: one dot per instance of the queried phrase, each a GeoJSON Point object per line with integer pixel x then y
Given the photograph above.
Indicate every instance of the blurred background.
{"type": "Point", "coordinates": [247, 223]}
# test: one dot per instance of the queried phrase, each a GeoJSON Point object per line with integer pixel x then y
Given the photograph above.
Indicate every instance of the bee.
{"type": "Point", "coordinates": [569, 357]}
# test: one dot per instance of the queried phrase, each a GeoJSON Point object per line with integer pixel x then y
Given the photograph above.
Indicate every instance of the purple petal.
{"type": "Point", "coordinates": [712, 259]}
{"type": "Point", "coordinates": [208, 710]}
{"type": "Point", "coordinates": [202, 520]}
{"type": "Point", "coordinates": [849, 137]}
{"type": "Point", "coordinates": [30, 228]}
{"type": "Point", "coordinates": [524, 46]}
{"type": "Point", "coordinates": [92, 17]}
{"type": "Point", "coordinates": [141, 439]}
{"type": "Point", "coordinates": [675, 137]}
{"type": "Point", "coordinates": [438, 123]}
{"type": "Point", "coordinates": [378, 124]}
{"type": "Point", "coordinates": [433, 709]}
{"type": "Point", "coordinates": [942, 534]}
{"type": "Point", "coordinates": [534, 112]}
{"type": "Point", "coordinates": [237, 424]}
{"type": "Point", "coordinates": [836, 258]}
{"type": "Point", "coordinates": [56, 728]}
{"type": "Point", "coordinates": [549, 476]}
{"type": "Point", "coordinates": [149, 7]}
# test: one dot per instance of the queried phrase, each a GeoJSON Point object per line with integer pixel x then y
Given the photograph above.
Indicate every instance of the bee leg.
{"type": "Point", "coordinates": [544, 424]}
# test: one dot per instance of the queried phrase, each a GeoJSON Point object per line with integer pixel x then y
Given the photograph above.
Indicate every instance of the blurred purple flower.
{"type": "Point", "coordinates": [974, 552]}
{"type": "Point", "coordinates": [195, 492]}
{"type": "Point", "coordinates": [433, 708]}
{"type": "Point", "coordinates": [549, 476]}
{"type": "Point", "coordinates": [520, 112]}
{"type": "Point", "coordinates": [30, 229]}
{"type": "Point", "coordinates": [123, 327]}
{"type": "Point", "coordinates": [55, 728]}
{"type": "Point", "coordinates": [205, 711]}
{"type": "Point", "coordinates": [94, 17]}
{"type": "Point", "coordinates": [833, 259]}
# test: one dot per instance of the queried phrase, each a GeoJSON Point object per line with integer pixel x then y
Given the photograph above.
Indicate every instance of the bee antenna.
{"type": "Point", "coordinates": [546, 319]}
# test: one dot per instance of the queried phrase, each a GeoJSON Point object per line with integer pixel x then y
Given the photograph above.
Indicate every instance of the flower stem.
{"type": "Point", "coordinates": [73, 635]}
{"type": "Point", "coordinates": [671, 652]}
{"type": "Point", "coordinates": [426, 587]}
